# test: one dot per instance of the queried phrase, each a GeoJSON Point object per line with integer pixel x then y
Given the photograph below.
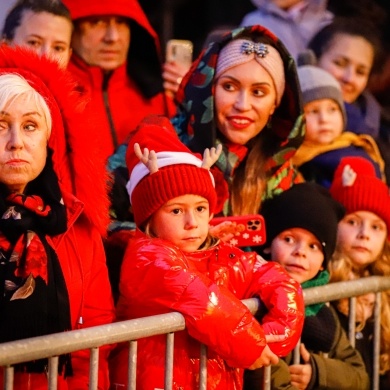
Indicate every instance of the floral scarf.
{"type": "Point", "coordinates": [33, 295]}
{"type": "Point", "coordinates": [195, 123]}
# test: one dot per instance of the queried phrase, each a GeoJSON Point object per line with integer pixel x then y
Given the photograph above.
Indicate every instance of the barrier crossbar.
{"type": "Point", "coordinates": [51, 346]}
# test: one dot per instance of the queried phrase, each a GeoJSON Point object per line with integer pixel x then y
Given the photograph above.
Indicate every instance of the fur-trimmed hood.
{"type": "Point", "coordinates": [75, 151]}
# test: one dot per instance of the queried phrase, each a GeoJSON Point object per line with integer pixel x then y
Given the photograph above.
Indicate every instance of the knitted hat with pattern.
{"type": "Point", "coordinates": [307, 206]}
{"type": "Point", "coordinates": [363, 191]}
{"type": "Point", "coordinates": [317, 83]}
{"type": "Point", "coordinates": [180, 172]}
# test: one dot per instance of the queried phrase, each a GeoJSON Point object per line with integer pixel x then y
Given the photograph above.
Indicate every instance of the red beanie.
{"type": "Point", "coordinates": [364, 193]}
{"type": "Point", "coordinates": [179, 170]}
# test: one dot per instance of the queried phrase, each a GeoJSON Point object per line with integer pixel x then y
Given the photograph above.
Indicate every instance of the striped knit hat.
{"type": "Point", "coordinates": [180, 172]}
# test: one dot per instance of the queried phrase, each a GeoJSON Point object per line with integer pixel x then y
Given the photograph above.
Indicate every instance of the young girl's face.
{"type": "Point", "coordinates": [299, 252]}
{"type": "Point", "coordinates": [324, 121]}
{"type": "Point", "coordinates": [361, 236]}
{"type": "Point", "coordinates": [349, 59]}
{"type": "Point", "coordinates": [184, 221]}
{"type": "Point", "coordinates": [245, 98]}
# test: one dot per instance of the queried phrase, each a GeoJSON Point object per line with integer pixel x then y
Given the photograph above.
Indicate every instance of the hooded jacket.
{"type": "Point", "coordinates": [126, 95]}
{"type": "Point", "coordinates": [195, 123]}
{"type": "Point", "coordinates": [206, 287]}
{"type": "Point", "coordinates": [83, 183]}
{"type": "Point", "coordinates": [294, 29]}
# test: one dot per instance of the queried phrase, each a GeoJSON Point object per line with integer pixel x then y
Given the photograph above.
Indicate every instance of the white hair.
{"type": "Point", "coordinates": [13, 85]}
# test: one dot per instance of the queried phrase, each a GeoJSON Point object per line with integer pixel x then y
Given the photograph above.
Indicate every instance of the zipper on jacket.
{"type": "Point", "coordinates": [114, 138]}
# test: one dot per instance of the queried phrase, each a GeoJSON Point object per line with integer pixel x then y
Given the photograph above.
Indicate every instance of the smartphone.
{"type": "Point", "coordinates": [248, 230]}
{"type": "Point", "coordinates": [179, 50]}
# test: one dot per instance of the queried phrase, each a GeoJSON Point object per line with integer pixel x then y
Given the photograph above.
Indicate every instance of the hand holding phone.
{"type": "Point", "coordinates": [178, 59]}
{"type": "Point", "coordinates": [179, 51]}
{"type": "Point", "coordinates": [244, 230]}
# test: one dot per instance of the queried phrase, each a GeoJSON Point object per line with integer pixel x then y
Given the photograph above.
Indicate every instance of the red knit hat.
{"type": "Point", "coordinates": [357, 188]}
{"type": "Point", "coordinates": [180, 172]}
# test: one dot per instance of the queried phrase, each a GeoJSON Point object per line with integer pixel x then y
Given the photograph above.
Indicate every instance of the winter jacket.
{"type": "Point", "coordinates": [195, 124]}
{"type": "Point", "coordinates": [82, 179]}
{"type": "Point", "coordinates": [341, 368]}
{"type": "Point", "coordinates": [364, 343]}
{"type": "Point", "coordinates": [81, 255]}
{"type": "Point", "coordinates": [206, 287]}
{"type": "Point", "coordinates": [318, 162]}
{"type": "Point", "coordinates": [121, 98]}
{"type": "Point", "coordinates": [295, 30]}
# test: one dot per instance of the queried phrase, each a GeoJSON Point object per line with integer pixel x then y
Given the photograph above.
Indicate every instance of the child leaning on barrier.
{"type": "Point", "coordinates": [174, 265]}
{"type": "Point", "coordinates": [363, 249]}
{"type": "Point", "coordinates": [301, 236]}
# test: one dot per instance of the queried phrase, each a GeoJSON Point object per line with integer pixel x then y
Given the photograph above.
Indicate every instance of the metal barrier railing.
{"type": "Point", "coordinates": [52, 346]}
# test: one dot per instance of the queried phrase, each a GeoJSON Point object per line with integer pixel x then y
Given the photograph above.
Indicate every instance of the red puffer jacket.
{"type": "Point", "coordinates": [207, 288]}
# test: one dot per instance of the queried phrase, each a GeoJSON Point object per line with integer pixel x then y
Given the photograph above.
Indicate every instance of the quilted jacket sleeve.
{"type": "Point", "coordinates": [283, 299]}
{"type": "Point", "coordinates": [214, 316]}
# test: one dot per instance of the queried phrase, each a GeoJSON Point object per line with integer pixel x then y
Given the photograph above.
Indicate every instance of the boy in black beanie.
{"type": "Point", "coordinates": [301, 226]}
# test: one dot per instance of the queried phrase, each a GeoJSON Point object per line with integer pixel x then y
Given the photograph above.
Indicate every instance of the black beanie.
{"type": "Point", "coordinates": [307, 206]}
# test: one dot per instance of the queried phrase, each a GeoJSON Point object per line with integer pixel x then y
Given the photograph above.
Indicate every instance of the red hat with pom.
{"type": "Point", "coordinates": [357, 188]}
{"type": "Point", "coordinates": [177, 171]}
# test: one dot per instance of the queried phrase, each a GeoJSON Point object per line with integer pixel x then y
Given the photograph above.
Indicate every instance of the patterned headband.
{"type": "Point", "coordinates": [241, 51]}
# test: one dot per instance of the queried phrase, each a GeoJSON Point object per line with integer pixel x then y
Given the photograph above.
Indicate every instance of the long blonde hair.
{"type": "Point", "coordinates": [341, 269]}
{"type": "Point", "coordinates": [250, 179]}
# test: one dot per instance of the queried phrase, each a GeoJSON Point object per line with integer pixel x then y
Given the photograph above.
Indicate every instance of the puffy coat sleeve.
{"type": "Point", "coordinates": [214, 316]}
{"type": "Point", "coordinates": [88, 285]}
{"type": "Point", "coordinates": [282, 297]}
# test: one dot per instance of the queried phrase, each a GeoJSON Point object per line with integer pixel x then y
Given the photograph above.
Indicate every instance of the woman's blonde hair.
{"type": "Point", "coordinates": [12, 86]}
{"type": "Point", "coordinates": [341, 268]}
{"type": "Point", "coordinates": [250, 179]}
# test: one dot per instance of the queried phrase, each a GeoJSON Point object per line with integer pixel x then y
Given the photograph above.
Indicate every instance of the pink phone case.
{"type": "Point", "coordinates": [249, 230]}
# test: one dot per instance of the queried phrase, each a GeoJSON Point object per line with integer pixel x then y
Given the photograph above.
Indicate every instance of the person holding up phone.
{"type": "Point", "coordinates": [117, 61]}
{"type": "Point", "coordinates": [178, 60]}
{"type": "Point", "coordinates": [185, 269]}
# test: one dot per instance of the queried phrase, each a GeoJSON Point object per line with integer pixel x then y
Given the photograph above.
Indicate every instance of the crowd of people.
{"type": "Point", "coordinates": [113, 161]}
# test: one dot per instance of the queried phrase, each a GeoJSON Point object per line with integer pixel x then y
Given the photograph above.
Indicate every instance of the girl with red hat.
{"type": "Point", "coordinates": [174, 265]}
{"type": "Point", "coordinates": [363, 248]}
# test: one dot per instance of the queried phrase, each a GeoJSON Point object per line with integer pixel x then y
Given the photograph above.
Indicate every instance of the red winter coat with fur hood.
{"type": "Point", "coordinates": [83, 183]}
{"type": "Point", "coordinates": [207, 287]}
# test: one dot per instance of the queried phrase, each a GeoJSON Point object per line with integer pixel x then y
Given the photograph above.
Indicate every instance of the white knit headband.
{"type": "Point", "coordinates": [240, 51]}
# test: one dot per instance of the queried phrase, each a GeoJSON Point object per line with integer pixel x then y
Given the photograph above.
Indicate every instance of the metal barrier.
{"type": "Point", "coordinates": [52, 346]}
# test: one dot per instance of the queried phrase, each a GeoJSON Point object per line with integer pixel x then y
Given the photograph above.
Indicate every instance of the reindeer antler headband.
{"type": "Point", "coordinates": [161, 176]}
